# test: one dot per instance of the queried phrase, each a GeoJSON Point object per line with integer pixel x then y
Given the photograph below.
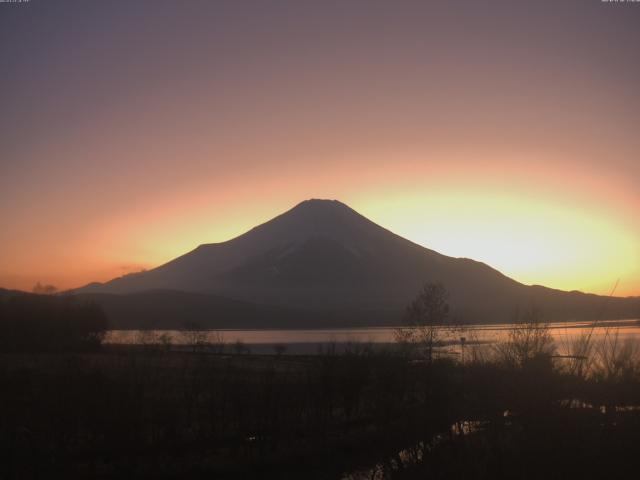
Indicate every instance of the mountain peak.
{"type": "Point", "coordinates": [320, 203]}
{"type": "Point", "coordinates": [313, 217]}
{"type": "Point", "coordinates": [310, 201]}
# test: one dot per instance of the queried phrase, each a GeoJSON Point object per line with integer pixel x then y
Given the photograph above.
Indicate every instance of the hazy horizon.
{"type": "Point", "coordinates": [505, 132]}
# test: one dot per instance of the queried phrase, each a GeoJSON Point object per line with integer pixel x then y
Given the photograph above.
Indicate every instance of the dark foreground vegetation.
{"type": "Point", "coordinates": [152, 413]}
{"type": "Point", "coordinates": [515, 410]}
{"type": "Point", "coordinates": [45, 323]}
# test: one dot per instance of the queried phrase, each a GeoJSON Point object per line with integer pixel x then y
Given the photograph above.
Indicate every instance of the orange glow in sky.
{"type": "Point", "coordinates": [506, 135]}
{"type": "Point", "coordinates": [535, 233]}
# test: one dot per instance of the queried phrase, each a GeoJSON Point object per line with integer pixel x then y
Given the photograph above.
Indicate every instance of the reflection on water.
{"type": "Point", "coordinates": [563, 334]}
{"type": "Point", "coordinates": [414, 454]}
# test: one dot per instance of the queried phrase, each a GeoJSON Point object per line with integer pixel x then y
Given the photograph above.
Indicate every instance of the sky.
{"type": "Point", "coordinates": [503, 131]}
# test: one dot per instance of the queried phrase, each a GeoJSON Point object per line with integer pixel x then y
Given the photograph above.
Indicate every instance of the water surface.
{"type": "Point", "coordinates": [309, 340]}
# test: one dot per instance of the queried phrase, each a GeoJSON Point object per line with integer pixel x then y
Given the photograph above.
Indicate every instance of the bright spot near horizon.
{"type": "Point", "coordinates": [532, 241]}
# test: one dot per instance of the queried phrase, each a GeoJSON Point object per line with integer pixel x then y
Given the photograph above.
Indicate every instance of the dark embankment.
{"type": "Point", "coordinates": [156, 413]}
{"type": "Point", "coordinates": [43, 323]}
{"type": "Point", "coordinates": [166, 309]}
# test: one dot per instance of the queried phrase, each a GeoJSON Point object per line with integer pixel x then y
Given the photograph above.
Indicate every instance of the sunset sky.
{"type": "Point", "coordinates": [503, 131]}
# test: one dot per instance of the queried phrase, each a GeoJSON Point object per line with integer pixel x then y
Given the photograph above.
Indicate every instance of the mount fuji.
{"type": "Point", "coordinates": [322, 263]}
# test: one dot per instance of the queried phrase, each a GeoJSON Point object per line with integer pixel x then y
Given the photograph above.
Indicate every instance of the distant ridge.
{"type": "Point", "coordinates": [323, 255]}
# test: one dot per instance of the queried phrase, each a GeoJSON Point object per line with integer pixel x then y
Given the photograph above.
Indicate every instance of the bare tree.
{"type": "Point", "coordinates": [579, 359]}
{"type": "Point", "coordinates": [425, 316]}
{"type": "Point", "coordinates": [41, 289]}
{"type": "Point", "coordinates": [240, 348]}
{"type": "Point", "coordinates": [193, 336]}
{"type": "Point", "coordinates": [615, 358]}
{"type": "Point", "coordinates": [529, 339]}
{"type": "Point", "coordinates": [280, 349]}
{"type": "Point", "coordinates": [216, 342]}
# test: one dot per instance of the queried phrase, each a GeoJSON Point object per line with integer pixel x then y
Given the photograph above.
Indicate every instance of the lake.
{"type": "Point", "coordinates": [309, 341]}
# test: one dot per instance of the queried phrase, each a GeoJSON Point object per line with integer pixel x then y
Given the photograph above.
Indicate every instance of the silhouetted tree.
{"type": "Point", "coordinates": [41, 289]}
{"type": "Point", "coordinates": [48, 323]}
{"type": "Point", "coordinates": [194, 336]}
{"type": "Point", "coordinates": [240, 348]}
{"type": "Point", "coordinates": [425, 315]}
{"type": "Point", "coordinates": [529, 340]}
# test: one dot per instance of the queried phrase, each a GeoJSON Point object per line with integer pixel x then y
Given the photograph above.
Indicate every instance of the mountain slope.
{"type": "Point", "coordinates": [323, 255]}
{"type": "Point", "coordinates": [167, 309]}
